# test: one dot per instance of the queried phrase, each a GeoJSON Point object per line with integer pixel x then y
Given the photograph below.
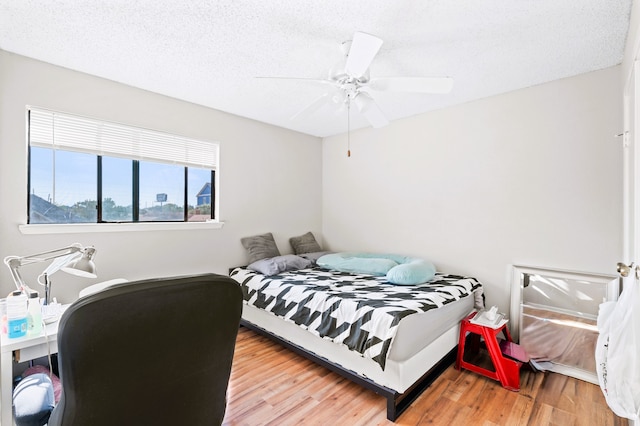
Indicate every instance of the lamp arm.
{"type": "Point", "coordinates": [48, 255]}
{"type": "Point", "coordinates": [15, 262]}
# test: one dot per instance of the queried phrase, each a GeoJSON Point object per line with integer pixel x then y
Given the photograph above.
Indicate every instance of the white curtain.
{"type": "Point", "coordinates": [618, 350]}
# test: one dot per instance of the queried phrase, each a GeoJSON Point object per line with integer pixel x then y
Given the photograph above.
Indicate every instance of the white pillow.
{"type": "Point", "coordinates": [100, 286]}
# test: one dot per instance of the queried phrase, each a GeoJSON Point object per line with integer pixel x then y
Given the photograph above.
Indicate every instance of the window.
{"type": "Point", "coordinates": [86, 171]}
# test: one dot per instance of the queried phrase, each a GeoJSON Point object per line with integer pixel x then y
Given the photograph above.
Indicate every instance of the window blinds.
{"type": "Point", "coordinates": [56, 130]}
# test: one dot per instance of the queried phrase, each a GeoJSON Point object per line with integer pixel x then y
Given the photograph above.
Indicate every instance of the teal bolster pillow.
{"type": "Point", "coordinates": [359, 263]}
{"type": "Point", "coordinates": [415, 272]}
{"type": "Point", "coordinates": [398, 269]}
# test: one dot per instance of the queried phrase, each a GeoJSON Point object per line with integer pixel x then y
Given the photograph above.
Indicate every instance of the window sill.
{"type": "Point", "coordinates": [85, 228]}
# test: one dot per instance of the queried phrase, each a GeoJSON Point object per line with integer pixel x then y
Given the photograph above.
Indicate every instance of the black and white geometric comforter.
{"type": "Point", "coordinates": [359, 311]}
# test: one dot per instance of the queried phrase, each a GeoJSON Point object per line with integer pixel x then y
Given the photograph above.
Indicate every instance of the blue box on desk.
{"type": "Point", "coordinates": [17, 328]}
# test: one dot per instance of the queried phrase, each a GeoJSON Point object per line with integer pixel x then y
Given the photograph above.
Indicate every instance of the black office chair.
{"type": "Point", "coordinates": [152, 352]}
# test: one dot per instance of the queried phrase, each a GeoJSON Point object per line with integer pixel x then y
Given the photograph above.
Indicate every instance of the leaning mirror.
{"type": "Point", "coordinates": [553, 317]}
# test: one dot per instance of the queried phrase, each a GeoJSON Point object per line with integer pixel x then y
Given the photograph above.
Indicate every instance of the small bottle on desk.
{"type": "Point", "coordinates": [17, 314]}
{"type": "Point", "coordinates": [3, 316]}
{"type": "Point", "coordinates": [34, 315]}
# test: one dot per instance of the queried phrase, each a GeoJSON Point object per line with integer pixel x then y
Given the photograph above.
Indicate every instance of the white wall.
{"type": "Point", "coordinates": [630, 80]}
{"type": "Point", "coordinates": [632, 46]}
{"type": "Point", "coordinates": [531, 177]}
{"type": "Point", "coordinates": [270, 178]}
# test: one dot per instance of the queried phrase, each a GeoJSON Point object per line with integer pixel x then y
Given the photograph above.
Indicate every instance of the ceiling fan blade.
{"type": "Point", "coordinates": [312, 107]}
{"type": "Point", "coordinates": [307, 80]}
{"type": "Point", "coordinates": [371, 111]}
{"type": "Point", "coordinates": [412, 84]}
{"type": "Point", "coordinates": [364, 48]}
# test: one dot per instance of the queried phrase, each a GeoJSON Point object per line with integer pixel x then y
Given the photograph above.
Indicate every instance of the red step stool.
{"type": "Point", "coordinates": [507, 368]}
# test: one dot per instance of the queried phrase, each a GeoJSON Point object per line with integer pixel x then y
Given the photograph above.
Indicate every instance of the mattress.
{"type": "Point", "coordinates": [420, 339]}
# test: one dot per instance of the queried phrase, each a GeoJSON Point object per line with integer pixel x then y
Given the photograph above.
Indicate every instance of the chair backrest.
{"type": "Point", "coordinates": [151, 352]}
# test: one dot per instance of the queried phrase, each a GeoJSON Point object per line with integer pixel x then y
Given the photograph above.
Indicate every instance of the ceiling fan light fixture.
{"type": "Point", "coordinates": [338, 98]}
{"type": "Point", "coordinates": [370, 110]}
{"type": "Point", "coordinates": [363, 102]}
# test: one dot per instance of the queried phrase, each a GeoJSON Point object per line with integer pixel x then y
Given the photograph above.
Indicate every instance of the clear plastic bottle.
{"type": "Point", "coordinates": [34, 315]}
{"type": "Point", "coordinates": [17, 314]}
{"type": "Point", "coordinates": [3, 316]}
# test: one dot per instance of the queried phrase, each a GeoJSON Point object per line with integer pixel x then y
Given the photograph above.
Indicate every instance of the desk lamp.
{"type": "Point", "coordinates": [74, 259]}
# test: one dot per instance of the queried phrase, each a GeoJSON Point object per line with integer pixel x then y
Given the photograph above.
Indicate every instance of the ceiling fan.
{"type": "Point", "coordinates": [351, 82]}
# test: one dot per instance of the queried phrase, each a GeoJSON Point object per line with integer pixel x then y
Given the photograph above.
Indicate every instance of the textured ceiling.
{"type": "Point", "coordinates": [210, 52]}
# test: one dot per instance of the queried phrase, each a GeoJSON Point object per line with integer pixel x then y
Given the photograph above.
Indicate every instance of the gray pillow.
{"type": "Point", "coordinates": [305, 244]}
{"type": "Point", "coordinates": [278, 264]}
{"type": "Point", "coordinates": [260, 247]}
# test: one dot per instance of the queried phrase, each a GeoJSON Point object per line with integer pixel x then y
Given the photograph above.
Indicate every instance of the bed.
{"type": "Point", "coordinates": [392, 339]}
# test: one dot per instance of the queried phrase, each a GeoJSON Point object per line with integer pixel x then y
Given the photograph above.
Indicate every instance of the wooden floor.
{"type": "Point", "coordinates": [271, 385]}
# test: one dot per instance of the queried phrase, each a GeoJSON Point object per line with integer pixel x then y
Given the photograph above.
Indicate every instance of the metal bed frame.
{"type": "Point", "coordinates": [397, 402]}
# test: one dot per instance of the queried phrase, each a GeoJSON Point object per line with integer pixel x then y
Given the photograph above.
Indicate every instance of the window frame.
{"type": "Point", "coordinates": [134, 223]}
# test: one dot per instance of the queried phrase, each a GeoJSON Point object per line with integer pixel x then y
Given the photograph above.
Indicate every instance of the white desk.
{"type": "Point", "coordinates": [25, 349]}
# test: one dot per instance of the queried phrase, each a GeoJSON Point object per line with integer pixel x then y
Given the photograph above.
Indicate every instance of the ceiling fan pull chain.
{"type": "Point", "coordinates": [348, 126]}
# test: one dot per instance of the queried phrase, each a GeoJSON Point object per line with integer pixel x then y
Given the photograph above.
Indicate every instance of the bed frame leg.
{"type": "Point", "coordinates": [392, 414]}
{"type": "Point", "coordinates": [397, 403]}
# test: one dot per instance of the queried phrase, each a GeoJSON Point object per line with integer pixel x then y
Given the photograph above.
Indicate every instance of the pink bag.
{"type": "Point", "coordinates": [57, 386]}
